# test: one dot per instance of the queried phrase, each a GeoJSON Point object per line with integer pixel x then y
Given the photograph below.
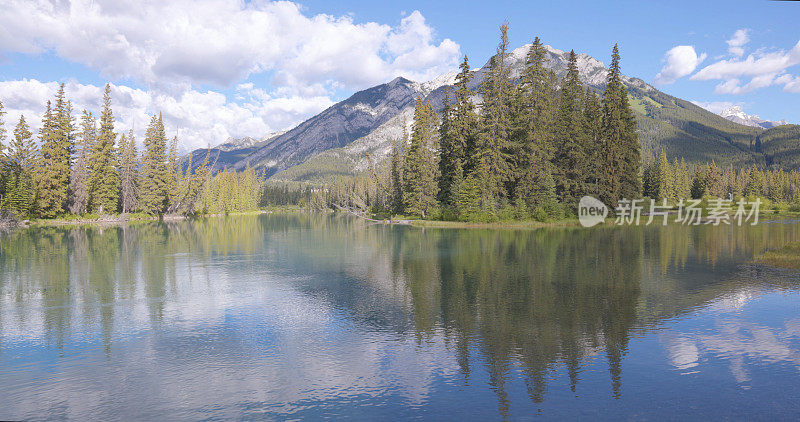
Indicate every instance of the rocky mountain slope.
{"type": "Point", "coordinates": [737, 115]}
{"type": "Point", "coordinates": [358, 132]}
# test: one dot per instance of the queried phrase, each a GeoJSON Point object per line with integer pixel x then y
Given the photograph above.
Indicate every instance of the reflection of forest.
{"type": "Point", "coordinates": [542, 299]}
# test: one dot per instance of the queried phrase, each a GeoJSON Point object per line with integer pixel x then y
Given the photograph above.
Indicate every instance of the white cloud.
{"type": "Point", "coordinates": [170, 44]}
{"type": "Point", "coordinates": [737, 42]}
{"type": "Point", "coordinates": [173, 50]}
{"type": "Point", "coordinates": [198, 118]}
{"type": "Point", "coordinates": [680, 61]}
{"type": "Point", "coordinates": [716, 106]}
{"type": "Point", "coordinates": [763, 68]}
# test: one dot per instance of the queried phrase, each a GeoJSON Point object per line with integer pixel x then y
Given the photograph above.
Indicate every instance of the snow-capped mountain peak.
{"type": "Point", "coordinates": [737, 115]}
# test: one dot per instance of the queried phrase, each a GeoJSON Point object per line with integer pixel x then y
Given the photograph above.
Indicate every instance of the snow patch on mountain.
{"type": "Point", "coordinates": [737, 115]}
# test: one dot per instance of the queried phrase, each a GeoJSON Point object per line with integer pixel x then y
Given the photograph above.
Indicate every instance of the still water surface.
{"type": "Point", "coordinates": [297, 316]}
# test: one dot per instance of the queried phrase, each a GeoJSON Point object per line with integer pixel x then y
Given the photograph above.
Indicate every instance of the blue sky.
{"type": "Point", "coordinates": [219, 68]}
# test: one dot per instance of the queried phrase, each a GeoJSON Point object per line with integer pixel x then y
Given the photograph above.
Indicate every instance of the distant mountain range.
{"type": "Point", "coordinates": [359, 131]}
{"type": "Point", "coordinates": [737, 115]}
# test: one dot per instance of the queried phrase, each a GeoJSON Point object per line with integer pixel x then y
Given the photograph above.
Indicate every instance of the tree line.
{"type": "Point", "coordinates": [535, 147]}
{"type": "Point", "coordinates": [674, 181]}
{"type": "Point", "coordinates": [88, 168]}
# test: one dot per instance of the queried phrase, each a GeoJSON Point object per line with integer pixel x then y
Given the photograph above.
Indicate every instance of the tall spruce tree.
{"type": "Point", "coordinates": [621, 141]}
{"type": "Point", "coordinates": [450, 155]}
{"type": "Point", "coordinates": [396, 196]}
{"type": "Point", "coordinates": [103, 175]}
{"type": "Point", "coordinates": [128, 173]}
{"type": "Point", "coordinates": [593, 119]}
{"type": "Point", "coordinates": [79, 177]}
{"type": "Point", "coordinates": [22, 149]}
{"type": "Point", "coordinates": [492, 163]}
{"type": "Point", "coordinates": [2, 137]}
{"type": "Point", "coordinates": [420, 167]}
{"type": "Point", "coordinates": [19, 187]}
{"type": "Point", "coordinates": [465, 121]}
{"type": "Point", "coordinates": [153, 195]}
{"type": "Point", "coordinates": [173, 171]}
{"type": "Point", "coordinates": [572, 155]}
{"type": "Point", "coordinates": [536, 185]}
{"type": "Point", "coordinates": [53, 172]}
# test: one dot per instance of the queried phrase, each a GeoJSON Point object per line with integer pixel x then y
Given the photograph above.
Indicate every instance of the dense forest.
{"type": "Point", "coordinates": [89, 169]}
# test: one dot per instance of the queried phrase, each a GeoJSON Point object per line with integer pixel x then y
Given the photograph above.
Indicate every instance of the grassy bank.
{"type": "Point", "coordinates": [514, 224]}
{"type": "Point", "coordinates": [785, 257]}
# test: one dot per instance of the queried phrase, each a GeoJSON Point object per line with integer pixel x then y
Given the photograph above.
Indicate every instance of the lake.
{"type": "Point", "coordinates": [289, 316]}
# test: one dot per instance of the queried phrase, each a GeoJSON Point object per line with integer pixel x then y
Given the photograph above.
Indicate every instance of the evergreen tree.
{"type": "Point", "coordinates": [128, 173]}
{"type": "Point", "coordinates": [464, 126]}
{"type": "Point", "coordinates": [19, 190]}
{"type": "Point", "coordinates": [755, 183]}
{"type": "Point", "coordinates": [173, 171]}
{"type": "Point", "coordinates": [492, 154]}
{"type": "Point", "coordinates": [103, 174]}
{"type": "Point", "coordinates": [621, 141]}
{"type": "Point", "coordinates": [2, 137]}
{"type": "Point", "coordinates": [420, 167]}
{"type": "Point", "coordinates": [53, 172]}
{"type": "Point", "coordinates": [79, 177]}
{"type": "Point", "coordinates": [153, 184]}
{"type": "Point", "coordinates": [22, 150]}
{"type": "Point", "coordinates": [396, 199]}
{"type": "Point", "coordinates": [572, 155]}
{"type": "Point", "coordinates": [663, 179]}
{"type": "Point", "coordinates": [593, 119]}
{"type": "Point", "coordinates": [536, 87]}
{"type": "Point", "coordinates": [450, 155]}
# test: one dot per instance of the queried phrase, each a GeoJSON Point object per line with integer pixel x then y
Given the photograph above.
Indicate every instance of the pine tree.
{"type": "Point", "coordinates": [79, 177]}
{"type": "Point", "coordinates": [493, 170]}
{"type": "Point", "coordinates": [2, 137]}
{"type": "Point", "coordinates": [464, 127]}
{"type": "Point", "coordinates": [18, 184]}
{"type": "Point", "coordinates": [420, 167]}
{"type": "Point", "coordinates": [755, 183]}
{"type": "Point", "coordinates": [396, 199]}
{"type": "Point", "coordinates": [128, 173]}
{"type": "Point", "coordinates": [536, 87]}
{"type": "Point", "coordinates": [450, 155]}
{"type": "Point", "coordinates": [153, 184]}
{"type": "Point", "coordinates": [173, 171]}
{"type": "Point", "coordinates": [53, 171]}
{"type": "Point", "coordinates": [572, 155]}
{"type": "Point", "coordinates": [103, 175]}
{"type": "Point", "coordinates": [593, 119]}
{"type": "Point", "coordinates": [621, 141]}
{"type": "Point", "coordinates": [22, 150]}
{"type": "Point", "coordinates": [663, 179]}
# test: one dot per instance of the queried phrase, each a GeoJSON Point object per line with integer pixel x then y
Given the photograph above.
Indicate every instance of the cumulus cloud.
{"type": "Point", "coordinates": [716, 106]}
{"type": "Point", "coordinates": [177, 54]}
{"type": "Point", "coordinates": [679, 61]}
{"type": "Point", "coordinates": [220, 42]}
{"type": "Point", "coordinates": [737, 42]}
{"type": "Point", "coordinates": [763, 68]}
{"type": "Point", "coordinates": [198, 118]}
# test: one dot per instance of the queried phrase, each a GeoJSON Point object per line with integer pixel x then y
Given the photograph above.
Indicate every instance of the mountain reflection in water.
{"type": "Point", "coordinates": [284, 316]}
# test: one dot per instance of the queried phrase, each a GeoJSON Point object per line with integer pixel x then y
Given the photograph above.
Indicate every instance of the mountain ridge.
{"type": "Point", "coordinates": [359, 131]}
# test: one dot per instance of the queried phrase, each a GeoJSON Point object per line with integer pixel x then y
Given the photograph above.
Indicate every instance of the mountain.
{"type": "Point", "coordinates": [339, 125]}
{"type": "Point", "coordinates": [358, 132]}
{"type": "Point", "coordinates": [737, 115]}
{"type": "Point", "coordinates": [228, 154]}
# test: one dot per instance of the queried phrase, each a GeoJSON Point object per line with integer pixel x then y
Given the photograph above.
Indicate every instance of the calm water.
{"type": "Point", "coordinates": [284, 317]}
